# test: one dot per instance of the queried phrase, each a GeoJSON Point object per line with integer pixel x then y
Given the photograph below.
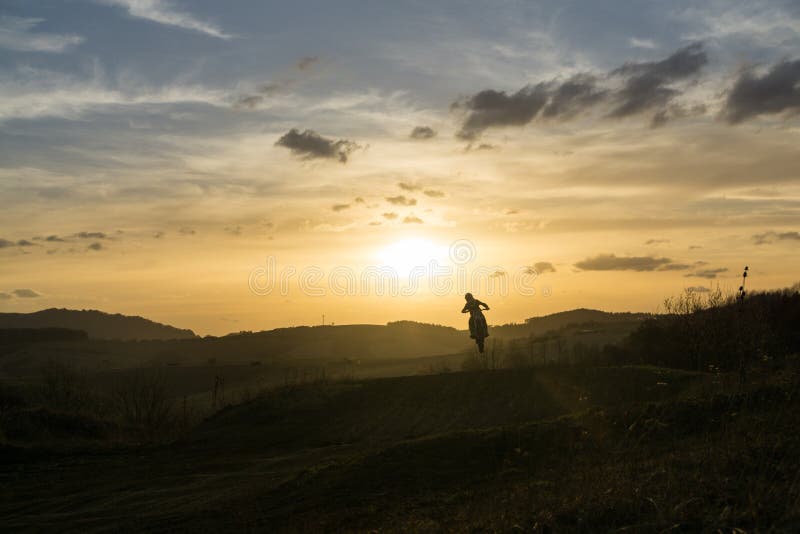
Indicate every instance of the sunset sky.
{"type": "Point", "coordinates": [155, 154]}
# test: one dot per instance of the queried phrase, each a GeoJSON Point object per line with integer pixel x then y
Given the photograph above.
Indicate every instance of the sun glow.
{"type": "Point", "coordinates": [404, 255]}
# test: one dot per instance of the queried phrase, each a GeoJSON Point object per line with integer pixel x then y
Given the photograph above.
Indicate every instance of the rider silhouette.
{"type": "Point", "coordinates": [478, 329]}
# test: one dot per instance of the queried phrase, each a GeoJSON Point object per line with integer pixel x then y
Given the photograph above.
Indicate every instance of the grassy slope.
{"type": "Point", "coordinates": [561, 448]}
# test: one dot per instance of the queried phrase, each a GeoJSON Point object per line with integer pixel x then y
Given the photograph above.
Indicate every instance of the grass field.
{"type": "Point", "coordinates": [637, 448]}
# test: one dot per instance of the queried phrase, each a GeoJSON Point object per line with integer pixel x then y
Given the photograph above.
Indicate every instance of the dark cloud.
{"type": "Point", "coordinates": [54, 239]}
{"type": "Point", "coordinates": [26, 293]}
{"type": "Point", "coordinates": [675, 267]}
{"type": "Point", "coordinates": [310, 145]}
{"type": "Point", "coordinates": [405, 186]}
{"type": "Point", "coordinates": [497, 274]}
{"type": "Point", "coordinates": [775, 92]}
{"type": "Point", "coordinates": [483, 146]}
{"type": "Point", "coordinates": [433, 193]}
{"type": "Point", "coordinates": [656, 241]}
{"type": "Point", "coordinates": [359, 200]}
{"type": "Point", "coordinates": [490, 108]}
{"type": "Point", "coordinates": [574, 96]}
{"type": "Point", "coordinates": [25, 243]}
{"type": "Point", "coordinates": [91, 235]}
{"type": "Point", "coordinates": [647, 85]}
{"type": "Point", "coordinates": [611, 262]}
{"type": "Point", "coordinates": [771, 237]}
{"type": "Point", "coordinates": [5, 296]}
{"type": "Point", "coordinates": [340, 207]}
{"type": "Point", "coordinates": [423, 132]}
{"type": "Point", "coordinates": [95, 246]}
{"type": "Point", "coordinates": [676, 111]}
{"type": "Point", "coordinates": [187, 231]}
{"type": "Point", "coordinates": [707, 273]}
{"type": "Point", "coordinates": [401, 200]}
{"type": "Point", "coordinates": [390, 215]}
{"type": "Point", "coordinates": [375, 223]}
{"type": "Point", "coordinates": [540, 267]}
{"type": "Point", "coordinates": [411, 219]}
{"type": "Point", "coordinates": [305, 63]}
{"type": "Point", "coordinates": [5, 243]}
{"type": "Point", "coordinates": [248, 101]}
{"type": "Point", "coordinates": [158, 235]}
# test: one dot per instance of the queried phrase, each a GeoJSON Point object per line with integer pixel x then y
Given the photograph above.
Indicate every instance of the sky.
{"type": "Point", "coordinates": [245, 165]}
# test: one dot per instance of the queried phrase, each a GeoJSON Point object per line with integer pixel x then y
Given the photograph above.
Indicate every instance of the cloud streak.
{"type": "Point", "coordinates": [611, 262]}
{"type": "Point", "coordinates": [162, 12]}
{"type": "Point", "coordinates": [16, 34]}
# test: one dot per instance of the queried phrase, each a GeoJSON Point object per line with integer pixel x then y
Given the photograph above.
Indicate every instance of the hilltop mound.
{"type": "Point", "coordinates": [389, 409]}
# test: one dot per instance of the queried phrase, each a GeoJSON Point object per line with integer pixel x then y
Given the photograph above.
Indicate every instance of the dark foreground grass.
{"type": "Point", "coordinates": [624, 458]}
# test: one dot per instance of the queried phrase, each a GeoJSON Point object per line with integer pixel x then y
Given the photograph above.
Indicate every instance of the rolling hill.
{"type": "Point", "coordinates": [97, 324]}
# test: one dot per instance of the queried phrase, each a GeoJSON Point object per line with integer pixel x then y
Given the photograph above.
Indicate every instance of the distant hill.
{"type": "Point", "coordinates": [400, 339]}
{"type": "Point", "coordinates": [584, 317]}
{"type": "Point", "coordinates": [96, 324]}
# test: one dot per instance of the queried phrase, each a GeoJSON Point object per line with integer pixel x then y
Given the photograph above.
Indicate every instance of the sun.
{"type": "Point", "coordinates": [404, 255]}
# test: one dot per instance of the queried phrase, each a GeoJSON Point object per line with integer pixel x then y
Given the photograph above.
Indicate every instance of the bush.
{"type": "Point", "coordinates": [143, 400]}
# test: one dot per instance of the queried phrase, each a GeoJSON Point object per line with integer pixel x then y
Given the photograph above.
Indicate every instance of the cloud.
{"type": "Point", "coordinates": [91, 235]}
{"type": "Point", "coordinates": [490, 108]}
{"type": "Point", "coordinates": [161, 12]}
{"type": "Point", "coordinates": [248, 101]}
{"type": "Point", "coordinates": [707, 273]}
{"type": "Point", "coordinates": [433, 193]}
{"type": "Point", "coordinates": [777, 91]}
{"type": "Point", "coordinates": [656, 241]}
{"type": "Point", "coordinates": [16, 34]}
{"type": "Point", "coordinates": [187, 231]}
{"type": "Point", "coordinates": [540, 267]}
{"type": "Point", "coordinates": [697, 289]}
{"type": "Point", "coordinates": [405, 186]}
{"type": "Point", "coordinates": [25, 293]}
{"type": "Point", "coordinates": [632, 89]}
{"type": "Point", "coordinates": [310, 145]}
{"type": "Point", "coordinates": [611, 262]}
{"type": "Point", "coordinates": [411, 219]}
{"type": "Point", "coordinates": [262, 92]}
{"type": "Point", "coordinates": [675, 267]}
{"type": "Point", "coordinates": [340, 207]}
{"type": "Point", "coordinates": [305, 63]}
{"type": "Point", "coordinates": [26, 243]}
{"type": "Point", "coordinates": [574, 96]}
{"type": "Point", "coordinates": [401, 200]}
{"type": "Point", "coordinates": [5, 296]}
{"type": "Point", "coordinates": [390, 215]}
{"type": "Point", "coordinates": [771, 237]}
{"type": "Point", "coordinates": [54, 239]}
{"type": "Point", "coordinates": [641, 43]}
{"type": "Point", "coordinates": [647, 85]}
{"type": "Point", "coordinates": [95, 246]}
{"type": "Point", "coordinates": [423, 132]}
{"type": "Point", "coordinates": [5, 243]}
